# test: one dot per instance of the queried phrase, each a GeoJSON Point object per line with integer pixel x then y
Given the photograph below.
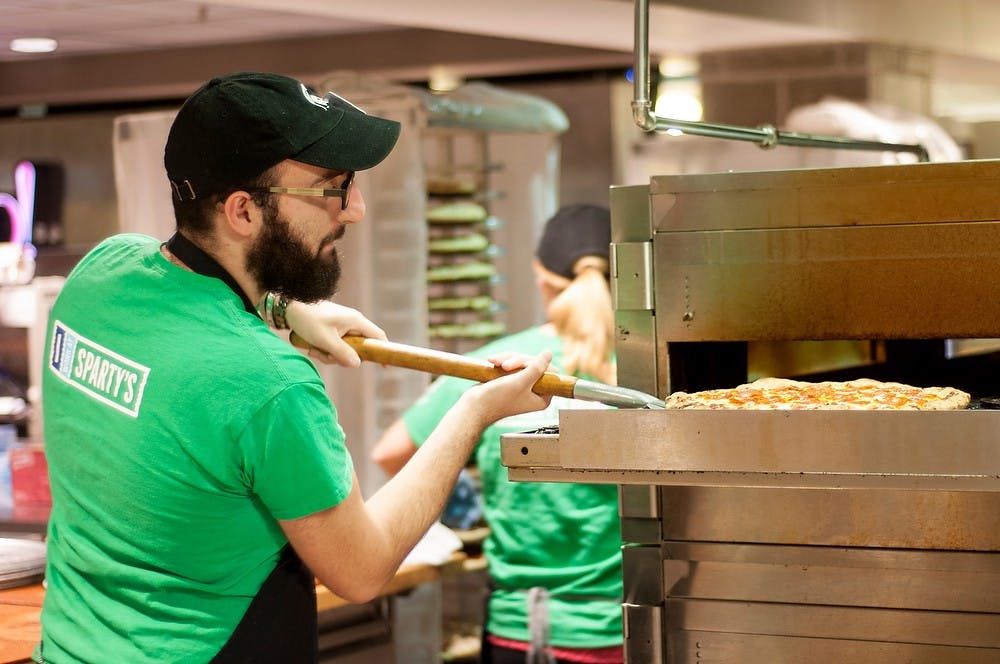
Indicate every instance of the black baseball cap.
{"type": "Point", "coordinates": [235, 127]}
{"type": "Point", "coordinates": [574, 231]}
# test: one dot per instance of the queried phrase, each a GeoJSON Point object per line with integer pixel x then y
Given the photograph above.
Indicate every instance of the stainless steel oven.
{"type": "Point", "coordinates": [777, 536]}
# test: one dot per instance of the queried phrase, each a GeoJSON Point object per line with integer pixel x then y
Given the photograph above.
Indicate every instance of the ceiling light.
{"type": "Point", "coordinates": [678, 66]}
{"type": "Point", "coordinates": [679, 90]}
{"type": "Point", "coordinates": [679, 105]}
{"type": "Point", "coordinates": [33, 45]}
{"type": "Point", "coordinates": [443, 79]}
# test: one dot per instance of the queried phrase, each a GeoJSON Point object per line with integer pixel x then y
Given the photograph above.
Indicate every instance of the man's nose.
{"type": "Point", "coordinates": [355, 210]}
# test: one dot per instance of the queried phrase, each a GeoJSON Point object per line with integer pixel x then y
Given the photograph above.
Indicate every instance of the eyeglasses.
{"type": "Point", "coordinates": [343, 193]}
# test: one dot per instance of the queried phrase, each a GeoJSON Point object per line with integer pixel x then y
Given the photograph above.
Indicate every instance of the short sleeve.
{"type": "Point", "coordinates": [295, 458]}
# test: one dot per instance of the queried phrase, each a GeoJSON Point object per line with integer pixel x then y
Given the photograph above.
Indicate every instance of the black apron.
{"type": "Point", "coordinates": [279, 627]}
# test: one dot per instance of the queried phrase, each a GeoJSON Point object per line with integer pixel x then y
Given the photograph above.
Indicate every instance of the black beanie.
{"type": "Point", "coordinates": [573, 232]}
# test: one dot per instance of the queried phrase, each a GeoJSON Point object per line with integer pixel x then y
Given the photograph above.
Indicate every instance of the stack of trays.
{"type": "Point", "coordinates": [22, 562]}
{"type": "Point", "coordinates": [460, 273]}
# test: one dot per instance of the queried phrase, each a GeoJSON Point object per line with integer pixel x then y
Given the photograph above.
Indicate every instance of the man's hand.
{"type": "Point", "coordinates": [322, 324]}
{"type": "Point", "coordinates": [509, 395]}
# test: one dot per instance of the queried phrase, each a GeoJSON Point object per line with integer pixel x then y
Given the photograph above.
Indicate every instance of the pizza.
{"type": "Point", "coordinates": [461, 271]}
{"type": "Point", "coordinates": [478, 330]}
{"type": "Point", "coordinates": [457, 213]}
{"type": "Point", "coordinates": [462, 244]}
{"type": "Point", "coordinates": [474, 302]}
{"type": "Point", "coordinates": [785, 394]}
{"type": "Point", "coordinates": [450, 187]}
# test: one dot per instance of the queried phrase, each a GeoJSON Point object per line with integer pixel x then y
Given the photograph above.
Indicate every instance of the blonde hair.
{"type": "Point", "coordinates": [584, 318]}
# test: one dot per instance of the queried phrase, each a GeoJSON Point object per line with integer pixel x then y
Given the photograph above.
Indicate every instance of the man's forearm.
{"type": "Point", "coordinates": [409, 503]}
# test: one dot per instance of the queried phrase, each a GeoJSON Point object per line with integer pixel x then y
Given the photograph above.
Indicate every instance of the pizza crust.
{"type": "Point", "coordinates": [787, 394]}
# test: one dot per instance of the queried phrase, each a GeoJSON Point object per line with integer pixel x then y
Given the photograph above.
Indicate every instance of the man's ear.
{"type": "Point", "coordinates": [241, 213]}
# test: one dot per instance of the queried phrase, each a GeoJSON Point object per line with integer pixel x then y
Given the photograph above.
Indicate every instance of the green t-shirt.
{"type": "Point", "coordinates": [564, 537]}
{"type": "Point", "coordinates": [178, 429]}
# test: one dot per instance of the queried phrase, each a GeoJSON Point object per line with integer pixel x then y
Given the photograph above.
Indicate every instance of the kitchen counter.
{"type": "Point", "coordinates": [19, 627]}
{"type": "Point", "coordinates": [20, 607]}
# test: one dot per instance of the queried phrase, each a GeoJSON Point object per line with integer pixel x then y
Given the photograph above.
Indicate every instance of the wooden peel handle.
{"type": "Point", "coordinates": [447, 364]}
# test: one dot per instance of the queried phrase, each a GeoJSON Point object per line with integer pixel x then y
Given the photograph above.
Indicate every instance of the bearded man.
{"type": "Point", "coordinates": [200, 480]}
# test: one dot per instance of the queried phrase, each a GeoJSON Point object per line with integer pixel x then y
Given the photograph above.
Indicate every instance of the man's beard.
{"type": "Point", "coordinates": [281, 263]}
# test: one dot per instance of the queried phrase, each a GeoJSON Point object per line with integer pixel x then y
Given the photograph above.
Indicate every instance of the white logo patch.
{"type": "Point", "coordinates": [315, 100]}
{"type": "Point", "coordinates": [97, 371]}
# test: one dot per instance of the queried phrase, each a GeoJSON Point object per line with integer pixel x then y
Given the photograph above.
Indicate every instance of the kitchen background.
{"type": "Point", "coordinates": [897, 70]}
{"type": "Point", "coordinates": [88, 115]}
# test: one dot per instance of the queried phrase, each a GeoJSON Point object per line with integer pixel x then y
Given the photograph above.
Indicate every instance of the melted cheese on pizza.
{"type": "Point", "coordinates": [862, 394]}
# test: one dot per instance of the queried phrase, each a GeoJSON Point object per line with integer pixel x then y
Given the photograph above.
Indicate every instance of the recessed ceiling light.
{"type": "Point", "coordinates": [33, 45]}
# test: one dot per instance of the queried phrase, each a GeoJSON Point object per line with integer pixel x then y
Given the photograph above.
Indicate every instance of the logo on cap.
{"type": "Point", "coordinates": [315, 100]}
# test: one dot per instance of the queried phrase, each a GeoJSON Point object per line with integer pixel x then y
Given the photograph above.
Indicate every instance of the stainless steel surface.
{"type": "Point", "coordinates": [963, 347]}
{"type": "Point", "coordinates": [836, 516]}
{"type": "Point", "coordinates": [843, 576]}
{"type": "Point", "coordinates": [614, 395]}
{"type": "Point", "coordinates": [532, 469]}
{"type": "Point", "coordinates": [639, 502]}
{"type": "Point", "coordinates": [858, 282]}
{"type": "Point", "coordinates": [646, 563]}
{"type": "Point", "coordinates": [766, 136]}
{"type": "Point", "coordinates": [943, 450]}
{"type": "Point", "coordinates": [635, 328]}
{"type": "Point", "coordinates": [943, 628]}
{"type": "Point", "coordinates": [639, 508]}
{"type": "Point", "coordinates": [901, 252]}
{"type": "Point", "coordinates": [933, 511]}
{"type": "Point", "coordinates": [644, 633]}
{"type": "Point", "coordinates": [632, 285]}
{"type": "Point", "coordinates": [959, 444]}
{"type": "Point", "coordinates": [642, 105]}
{"type": "Point", "coordinates": [735, 648]}
{"type": "Point", "coordinates": [769, 136]}
{"type": "Point", "coordinates": [725, 603]}
{"type": "Point", "coordinates": [826, 536]}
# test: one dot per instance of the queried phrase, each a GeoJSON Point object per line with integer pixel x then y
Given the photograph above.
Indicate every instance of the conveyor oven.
{"type": "Point", "coordinates": [800, 536]}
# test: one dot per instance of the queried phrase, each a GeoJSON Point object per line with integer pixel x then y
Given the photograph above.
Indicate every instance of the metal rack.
{"type": "Point", "coordinates": [461, 273]}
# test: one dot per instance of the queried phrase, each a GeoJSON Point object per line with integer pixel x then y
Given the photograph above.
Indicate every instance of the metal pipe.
{"type": "Point", "coordinates": [642, 107]}
{"type": "Point", "coordinates": [766, 136]}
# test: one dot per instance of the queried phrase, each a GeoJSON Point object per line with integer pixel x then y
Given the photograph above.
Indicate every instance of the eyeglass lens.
{"type": "Point", "coordinates": [346, 186]}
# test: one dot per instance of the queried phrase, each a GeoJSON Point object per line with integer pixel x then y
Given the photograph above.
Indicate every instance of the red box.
{"type": "Point", "coordinates": [29, 475]}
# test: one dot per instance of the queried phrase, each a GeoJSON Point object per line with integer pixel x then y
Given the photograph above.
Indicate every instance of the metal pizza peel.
{"type": "Point", "coordinates": [452, 364]}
